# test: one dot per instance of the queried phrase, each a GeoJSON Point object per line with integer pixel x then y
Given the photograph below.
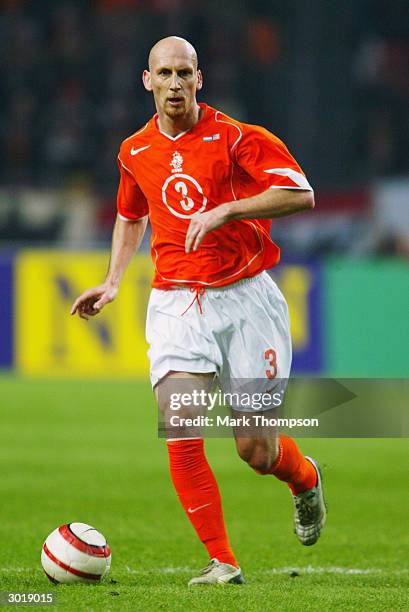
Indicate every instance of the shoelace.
{"type": "Point", "coordinates": [207, 569]}
{"type": "Point", "coordinates": [305, 509]}
{"type": "Point", "coordinates": [199, 292]}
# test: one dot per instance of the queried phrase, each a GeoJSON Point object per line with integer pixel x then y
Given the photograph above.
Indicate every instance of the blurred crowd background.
{"type": "Point", "coordinates": [329, 78]}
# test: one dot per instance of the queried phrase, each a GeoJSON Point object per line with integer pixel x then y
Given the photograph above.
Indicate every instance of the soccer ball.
{"type": "Point", "coordinates": [76, 552]}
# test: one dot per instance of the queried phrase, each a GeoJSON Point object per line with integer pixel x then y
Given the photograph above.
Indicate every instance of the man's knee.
{"type": "Point", "coordinates": [171, 387]}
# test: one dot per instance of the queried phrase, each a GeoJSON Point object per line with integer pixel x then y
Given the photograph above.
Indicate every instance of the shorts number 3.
{"type": "Point", "coordinates": [271, 356]}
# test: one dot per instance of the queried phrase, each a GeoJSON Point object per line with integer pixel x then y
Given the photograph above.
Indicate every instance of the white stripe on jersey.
{"type": "Point", "coordinates": [298, 178]}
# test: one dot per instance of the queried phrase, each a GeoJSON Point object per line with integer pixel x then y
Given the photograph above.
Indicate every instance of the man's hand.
{"type": "Point", "coordinates": [91, 302]}
{"type": "Point", "coordinates": [268, 204]}
{"type": "Point", "coordinates": [203, 223]}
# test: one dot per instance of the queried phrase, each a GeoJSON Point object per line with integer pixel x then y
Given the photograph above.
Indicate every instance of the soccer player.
{"type": "Point", "coordinates": [210, 186]}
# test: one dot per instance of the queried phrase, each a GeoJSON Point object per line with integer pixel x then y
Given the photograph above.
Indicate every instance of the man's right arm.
{"type": "Point", "coordinates": [126, 239]}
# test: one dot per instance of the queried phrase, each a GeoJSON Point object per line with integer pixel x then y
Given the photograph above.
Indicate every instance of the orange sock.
{"type": "Point", "coordinates": [199, 495]}
{"type": "Point", "coordinates": [292, 467]}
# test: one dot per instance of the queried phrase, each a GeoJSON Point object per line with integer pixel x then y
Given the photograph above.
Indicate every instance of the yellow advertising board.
{"type": "Point", "coordinates": [295, 283]}
{"type": "Point", "coordinates": [49, 341]}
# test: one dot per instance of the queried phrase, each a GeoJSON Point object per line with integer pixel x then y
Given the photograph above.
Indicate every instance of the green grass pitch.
{"type": "Point", "coordinates": [88, 451]}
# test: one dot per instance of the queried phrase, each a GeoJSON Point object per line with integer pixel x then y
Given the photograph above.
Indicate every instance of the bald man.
{"type": "Point", "coordinates": [210, 186]}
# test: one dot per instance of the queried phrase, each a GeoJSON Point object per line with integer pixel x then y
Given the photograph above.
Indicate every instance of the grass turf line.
{"type": "Point", "coordinates": [88, 451]}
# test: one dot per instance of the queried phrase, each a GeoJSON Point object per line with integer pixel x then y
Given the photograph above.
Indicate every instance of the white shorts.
{"type": "Point", "coordinates": [243, 331]}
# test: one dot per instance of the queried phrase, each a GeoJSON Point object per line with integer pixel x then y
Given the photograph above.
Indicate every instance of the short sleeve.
{"type": "Point", "coordinates": [268, 161]}
{"type": "Point", "coordinates": [131, 202]}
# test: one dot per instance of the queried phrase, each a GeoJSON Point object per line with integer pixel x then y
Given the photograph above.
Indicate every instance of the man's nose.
{"type": "Point", "coordinates": [174, 84]}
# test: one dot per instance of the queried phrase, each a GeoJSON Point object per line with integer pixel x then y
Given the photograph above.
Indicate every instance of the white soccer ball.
{"type": "Point", "coordinates": [76, 552]}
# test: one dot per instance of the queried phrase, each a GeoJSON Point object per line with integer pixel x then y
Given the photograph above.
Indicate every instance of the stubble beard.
{"type": "Point", "coordinates": [175, 113]}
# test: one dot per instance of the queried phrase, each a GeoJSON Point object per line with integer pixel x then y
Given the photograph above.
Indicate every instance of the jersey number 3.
{"type": "Point", "coordinates": [178, 185]}
{"type": "Point", "coordinates": [187, 203]}
{"type": "Point", "coordinates": [271, 357]}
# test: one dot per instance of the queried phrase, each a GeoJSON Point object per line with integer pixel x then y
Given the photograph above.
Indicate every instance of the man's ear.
{"type": "Point", "coordinates": [146, 78]}
{"type": "Point", "coordinates": [199, 80]}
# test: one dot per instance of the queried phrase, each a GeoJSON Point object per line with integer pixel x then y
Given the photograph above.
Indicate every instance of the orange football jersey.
{"type": "Point", "coordinates": [172, 178]}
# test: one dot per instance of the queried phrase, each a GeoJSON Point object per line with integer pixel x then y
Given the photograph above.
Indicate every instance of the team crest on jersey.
{"type": "Point", "coordinates": [177, 162]}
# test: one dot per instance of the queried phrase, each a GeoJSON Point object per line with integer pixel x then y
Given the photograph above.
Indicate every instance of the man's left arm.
{"type": "Point", "coordinates": [269, 204]}
{"type": "Point", "coordinates": [283, 187]}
